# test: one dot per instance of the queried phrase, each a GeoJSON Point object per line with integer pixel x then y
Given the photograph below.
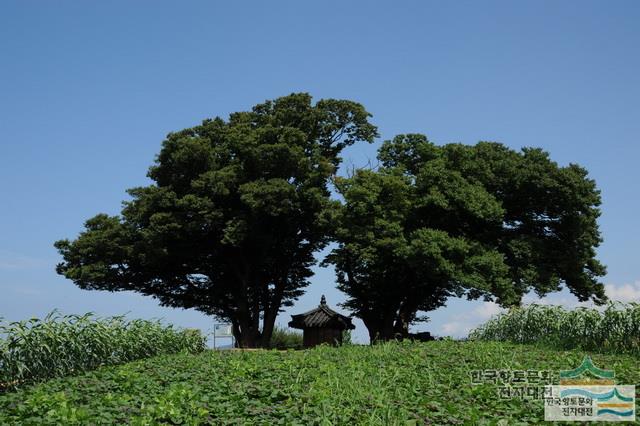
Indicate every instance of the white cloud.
{"type": "Point", "coordinates": [569, 302]}
{"type": "Point", "coordinates": [487, 310]}
{"type": "Point", "coordinates": [456, 328]}
{"type": "Point", "coordinates": [451, 327]}
{"type": "Point", "coordinates": [618, 293]}
{"type": "Point", "coordinates": [623, 292]}
{"type": "Point", "coordinates": [461, 324]}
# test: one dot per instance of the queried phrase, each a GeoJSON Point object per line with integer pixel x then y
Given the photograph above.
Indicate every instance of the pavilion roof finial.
{"type": "Point", "coordinates": [323, 300]}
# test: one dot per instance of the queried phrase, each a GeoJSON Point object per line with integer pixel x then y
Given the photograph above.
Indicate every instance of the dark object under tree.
{"type": "Point", "coordinates": [321, 325]}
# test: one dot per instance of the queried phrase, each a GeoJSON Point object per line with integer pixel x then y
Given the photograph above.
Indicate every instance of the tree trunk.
{"type": "Point", "coordinates": [373, 327]}
{"type": "Point", "coordinates": [254, 299]}
{"type": "Point", "coordinates": [268, 323]}
{"type": "Point", "coordinates": [373, 335]}
{"type": "Point", "coordinates": [401, 328]}
{"type": "Point", "coordinates": [248, 340]}
{"type": "Point", "coordinates": [380, 330]}
{"type": "Point", "coordinates": [272, 303]}
{"type": "Point", "coordinates": [248, 335]}
{"type": "Point", "coordinates": [247, 330]}
{"type": "Point", "coordinates": [406, 313]}
{"type": "Point", "coordinates": [387, 330]}
{"type": "Point", "coordinates": [235, 330]}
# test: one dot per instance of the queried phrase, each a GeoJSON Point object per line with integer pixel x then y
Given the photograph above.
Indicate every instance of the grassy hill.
{"type": "Point", "coordinates": [399, 383]}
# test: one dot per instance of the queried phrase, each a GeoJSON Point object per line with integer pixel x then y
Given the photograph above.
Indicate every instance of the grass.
{"type": "Point", "coordinates": [39, 349]}
{"type": "Point", "coordinates": [389, 384]}
{"type": "Point", "coordinates": [283, 338]}
{"type": "Point", "coordinates": [615, 329]}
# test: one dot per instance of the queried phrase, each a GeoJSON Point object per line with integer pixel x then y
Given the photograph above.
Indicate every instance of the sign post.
{"type": "Point", "coordinates": [222, 330]}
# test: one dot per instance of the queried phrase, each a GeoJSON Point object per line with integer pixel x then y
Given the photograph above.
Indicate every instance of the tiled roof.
{"type": "Point", "coordinates": [322, 316]}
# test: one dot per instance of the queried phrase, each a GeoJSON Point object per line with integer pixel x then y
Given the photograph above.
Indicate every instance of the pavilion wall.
{"type": "Point", "coordinates": [317, 335]}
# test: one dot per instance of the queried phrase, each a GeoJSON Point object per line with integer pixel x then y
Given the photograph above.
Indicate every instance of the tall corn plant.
{"type": "Point", "coordinates": [58, 345]}
{"type": "Point", "coordinates": [615, 329]}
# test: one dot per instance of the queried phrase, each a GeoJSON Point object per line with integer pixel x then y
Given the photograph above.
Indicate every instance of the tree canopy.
{"type": "Point", "coordinates": [480, 221]}
{"type": "Point", "coordinates": [233, 218]}
{"type": "Point", "coordinates": [238, 208]}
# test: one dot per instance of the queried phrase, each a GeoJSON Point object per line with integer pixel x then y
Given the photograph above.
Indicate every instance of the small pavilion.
{"type": "Point", "coordinates": [321, 325]}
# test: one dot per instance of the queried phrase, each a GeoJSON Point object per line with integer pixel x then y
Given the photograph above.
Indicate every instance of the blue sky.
{"type": "Point", "coordinates": [88, 90]}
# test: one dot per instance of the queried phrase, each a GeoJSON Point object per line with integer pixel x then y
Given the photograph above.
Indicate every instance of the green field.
{"type": "Point", "coordinates": [58, 345]}
{"type": "Point", "coordinates": [615, 329]}
{"type": "Point", "coordinates": [396, 383]}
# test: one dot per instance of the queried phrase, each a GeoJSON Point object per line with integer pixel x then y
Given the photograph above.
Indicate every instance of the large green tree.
{"type": "Point", "coordinates": [479, 221]}
{"type": "Point", "coordinates": [234, 216]}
